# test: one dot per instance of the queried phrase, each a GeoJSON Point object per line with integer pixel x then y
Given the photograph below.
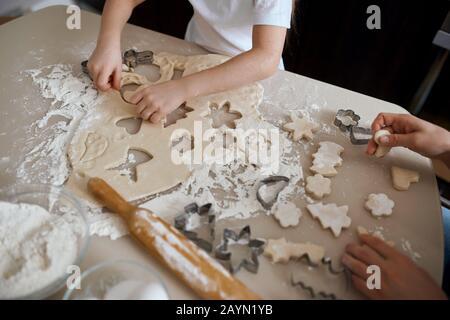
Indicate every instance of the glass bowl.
{"type": "Point", "coordinates": [69, 213]}
{"type": "Point", "coordinates": [119, 280]}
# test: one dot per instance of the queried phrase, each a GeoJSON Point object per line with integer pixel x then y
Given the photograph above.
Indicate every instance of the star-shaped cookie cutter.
{"type": "Point", "coordinates": [267, 181]}
{"type": "Point", "coordinates": [230, 237]}
{"type": "Point", "coordinates": [182, 223]}
{"type": "Point", "coordinates": [358, 135]}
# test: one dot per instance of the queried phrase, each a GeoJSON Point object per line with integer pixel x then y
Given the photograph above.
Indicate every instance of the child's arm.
{"type": "Point", "coordinates": [105, 63]}
{"type": "Point", "coordinates": [154, 102]}
{"type": "Point", "coordinates": [413, 133]}
{"type": "Point", "coordinates": [400, 277]}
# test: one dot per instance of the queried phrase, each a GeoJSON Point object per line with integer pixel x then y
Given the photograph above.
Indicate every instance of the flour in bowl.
{"type": "Point", "coordinates": [35, 248]}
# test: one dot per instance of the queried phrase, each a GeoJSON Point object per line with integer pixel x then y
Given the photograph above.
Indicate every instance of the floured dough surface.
{"type": "Point", "coordinates": [330, 216]}
{"type": "Point", "coordinates": [100, 146]}
{"type": "Point", "coordinates": [402, 178]}
{"type": "Point", "coordinates": [327, 157]}
{"type": "Point", "coordinates": [281, 251]}
{"type": "Point", "coordinates": [381, 150]}
{"type": "Point", "coordinates": [300, 128]}
{"type": "Point", "coordinates": [318, 186]}
{"type": "Point", "coordinates": [287, 214]}
{"type": "Point", "coordinates": [379, 204]}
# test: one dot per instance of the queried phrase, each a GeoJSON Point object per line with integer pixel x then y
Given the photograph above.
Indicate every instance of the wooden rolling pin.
{"type": "Point", "coordinates": [191, 264]}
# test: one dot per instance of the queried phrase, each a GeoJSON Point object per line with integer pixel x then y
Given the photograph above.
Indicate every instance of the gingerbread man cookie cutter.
{"type": "Point", "coordinates": [243, 238]}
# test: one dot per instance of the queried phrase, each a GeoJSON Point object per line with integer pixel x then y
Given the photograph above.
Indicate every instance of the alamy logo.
{"type": "Point", "coordinates": [374, 20]}
{"type": "Point", "coordinates": [374, 280]}
{"type": "Point", "coordinates": [74, 280]}
{"type": "Point", "coordinates": [73, 22]}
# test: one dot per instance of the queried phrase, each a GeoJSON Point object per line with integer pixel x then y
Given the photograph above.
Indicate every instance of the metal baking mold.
{"type": "Point", "coordinates": [255, 246]}
{"type": "Point", "coordinates": [268, 181]}
{"type": "Point", "coordinates": [314, 294]}
{"type": "Point", "coordinates": [205, 216]}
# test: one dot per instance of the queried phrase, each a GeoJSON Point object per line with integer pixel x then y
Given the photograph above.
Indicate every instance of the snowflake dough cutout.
{"type": "Point", "coordinates": [300, 128]}
{"type": "Point", "coordinates": [402, 178]}
{"type": "Point", "coordinates": [379, 204]}
{"type": "Point", "coordinates": [331, 216]}
{"type": "Point", "coordinates": [281, 251]}
{"type": "Point", "coordinates": [327, 158]}
{"type": "Point", "coordinates": [287, 214]}
{"type": "Point", "coordinates": [318, 186]}
{"type": "Point", "coordinates": [381, 150]}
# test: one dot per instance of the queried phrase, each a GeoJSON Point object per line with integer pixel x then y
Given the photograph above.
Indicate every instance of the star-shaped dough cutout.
{"type": "Point", "coordinates": [379, 204]}
{"type": "Point", "coordinates": [318, 186]}
{"type": "Point", "coordinates": [300, 128]}
{"type": "Point", "coordinates": [282, 251]}
{"type": "Point", "coordinates": [331, 216]}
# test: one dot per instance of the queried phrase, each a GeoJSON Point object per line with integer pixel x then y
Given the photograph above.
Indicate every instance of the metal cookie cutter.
{"type": "Point", "coordinates": [131, 58]}
{"type": "Point", "coordinates": [243, 238]}
{"type": "Point", "coordinates": [202, 216]}
{"type": "Point", "coordinates": [347, 121]}
{"type": "Point", "coordinates": [265, 182]}
{"type": "Point", "coordinates": [312, 292]}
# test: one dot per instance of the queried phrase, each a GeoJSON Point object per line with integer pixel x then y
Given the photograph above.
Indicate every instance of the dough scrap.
{"type": "Point", "coordinates": [161, 173]}
{"type": "Point", "coordinates": [282, 251]}
{"type": "Point", "coordinates": [402, 178]}
{"type": "Point", "coordinates": [95, 146]}
{"type": "Point", "coordinates": [318, 186]}
{"type": "Point", "coordinates": [379, 204]}
{"type": "Point", "coordinates": [361, 230]}
{"type": "Point", "coordinates": [300, 128]}
{"type": "Point", "coordinates": [331, 216]}
{"type": "Point", "coordinates": [287, 214]}
{"type": "Point", "coordinates": [327, 158]}
{"type": "Point", "coordinates": [381, 150]}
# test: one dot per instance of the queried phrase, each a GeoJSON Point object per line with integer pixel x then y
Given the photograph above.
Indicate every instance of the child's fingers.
{"type": "Point", "coordinates": [156, 117]}
{"type": "Point", "coordinates": [398, 140]}
{"type": "Point", "coordinates": [116, 78]}
{"type": "Point", "coordinates": [102, 81]}
{"type": "Point", "coordinates": [371, 147]}
{"type": "Point", "coordinates": [356, 266]}
{"type": "Point", "coordinates": [378, 245]}
{"type": "Point", "coordinates": [364, 254]}
{"type": "Point", "coordinates": [136, 98]}
{"type": "Point", "coordinates": [361, 286]}
{"type": "Point", "coordinates": [382, 120]}
{"type": "Point", "coordinates": [148, 112]}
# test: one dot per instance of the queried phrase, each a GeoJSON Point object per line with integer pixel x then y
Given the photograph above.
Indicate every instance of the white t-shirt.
{"type": "Point", "coordinates": [225, 26]}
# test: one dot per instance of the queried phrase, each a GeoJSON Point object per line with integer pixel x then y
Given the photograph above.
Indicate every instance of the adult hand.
{"type": "Point", "coordinates": [401, 278]}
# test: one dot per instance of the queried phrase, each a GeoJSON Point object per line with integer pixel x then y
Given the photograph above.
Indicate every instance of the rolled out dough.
{"type": "Point", "coordinates": [100, 145]}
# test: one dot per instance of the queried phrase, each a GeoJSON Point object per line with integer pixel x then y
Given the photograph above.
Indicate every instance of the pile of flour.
{"type": "Point", "coordinates": [35, 248]}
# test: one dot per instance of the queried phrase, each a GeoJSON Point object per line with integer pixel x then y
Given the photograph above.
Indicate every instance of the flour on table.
{"type": "Point", "coordinates": [407, 247]}
{"type": "Point", "coordinates": [330, 216]}
{"type": "Point", "coordinates": [379, 204]}
{"type": "Point", "coordinates": [36, 248]}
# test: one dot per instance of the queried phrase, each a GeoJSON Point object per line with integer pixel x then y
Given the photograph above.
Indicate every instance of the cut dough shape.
{"type": "Point", "coordinates": [300, 128]}
{"type": "Point", "coordinates": [318, 186]}
{"type": "Point", "coordinates": [330, 216]}
{"type": "Point", "coordinates": [361, 230]}
{"type": "Point", "coordinates": [379, 204]}
{"type": "Point", "coordinates": [327, 158]}
{"type": "Point", "coordinates": [402, 178]}
{"type": "Point", "coordinates": [282, 251]}
{"type": "Point", "coordinates": [161, 173]}
{"type": "Point", "coordinates": [381, 150]}
{"type": "Point", "coordinates": [287, 214]}
{"type": "Point", "coordinates": [95, 146]}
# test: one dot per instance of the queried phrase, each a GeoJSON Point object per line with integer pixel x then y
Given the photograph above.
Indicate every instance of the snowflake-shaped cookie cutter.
{"type": "Point", "coordinates": [230, 237]}
{"type": "Point", "coordinates": [203, 212]}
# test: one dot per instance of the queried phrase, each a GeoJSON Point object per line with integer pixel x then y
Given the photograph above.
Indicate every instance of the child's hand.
{"type": "Point", "coordinates": [156, 101]}
{"type": "Point", "coordinates": [411, 132]}
{"type": "Point", "coordinates": [400, 277]}
{"type": "Point", "coordinates": [105, 67]}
